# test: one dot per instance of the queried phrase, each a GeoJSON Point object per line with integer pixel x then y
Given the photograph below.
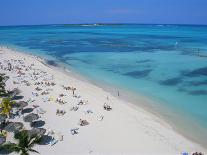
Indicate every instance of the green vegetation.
{"type": "Point", "coordinates": [6, 106]}
{"type": "Point", "coordinates": [25, 143]}
{"type": "Point", "coordinates": [3, 79]}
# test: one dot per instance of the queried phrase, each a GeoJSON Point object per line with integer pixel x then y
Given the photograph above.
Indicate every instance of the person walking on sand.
{"type": "Point", "coordinates": [73, 89]}
{"type": "Point", "coordinates": [118, 93]}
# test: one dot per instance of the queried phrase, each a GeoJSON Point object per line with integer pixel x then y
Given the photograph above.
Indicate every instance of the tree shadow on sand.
{"type": "Point", "coordinates": [27, 110]}
{"type": "Point", "coordinates": [17, 97]}
{"type": "Point", "coordinates": [38, 124]}
{"type": "Point", "coordinates": [45, 140]}
{"type": "Point", "coordinates": [4, 151]}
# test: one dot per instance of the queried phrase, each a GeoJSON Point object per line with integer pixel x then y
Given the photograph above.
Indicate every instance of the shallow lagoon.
{"type": "Point", "coordinates": [166, 63]}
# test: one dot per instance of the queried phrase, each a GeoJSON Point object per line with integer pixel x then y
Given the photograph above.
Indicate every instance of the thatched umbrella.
{"type": "Point", "coordinates": [31, 117]}
{"type": "Point", "coordinates": [37, 131]}
{"type": "Point", "coordinates": [2, 139]}
{"type": "Point", "coordinates": [14, 92]}
{"type": "Point", "coordinates": [20, 104]}
{"type": "Point", "coordinates": [2, 118]}
{"type": "Point", "coordinates": [14, 126]}
{"type": "Point", "coordinates": [73, 90]}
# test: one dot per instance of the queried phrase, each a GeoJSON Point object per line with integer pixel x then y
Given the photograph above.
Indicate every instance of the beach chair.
{"type": "Point", "coordinates": [74, 131]}
{"type": "Point", "coordinates": [53, 141]}
{"type": "Point", "coordinates": [74, 108]}
{"type": "Point", "coordinates": [30, 100]}
{"type": "Point", "coordinates": [83, 122]}
{"type": "Point", "coordinates": [40, 111]}
{"type": "Point", "coordinates": [59, 137]}
{"type": "Point", "coordinates": [101, 118]}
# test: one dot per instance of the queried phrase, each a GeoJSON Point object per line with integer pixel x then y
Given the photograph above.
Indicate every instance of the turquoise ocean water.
{"type": "Point", "coordinates": [166, 63]}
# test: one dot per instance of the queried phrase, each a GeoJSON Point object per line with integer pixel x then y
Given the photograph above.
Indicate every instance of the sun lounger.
{"type": "Point", "coordinates": [35, 94]}
{"type": "Point", "coordinates": [59, 137]}
{"type": "Point", "coordinates": [74, 108]}
{"type": "Point", "coordinates": [45, 99]}
{"type": "Point", "coordinates": [35, 106]}
{"type": "Point", "coordinates": [101, 118]}
{"type": "Point", "coordinates": [107, 107]}
{"type": "Point", "coordinates": [74, 131]}
{"type": "Point", "coordinates": [60, 112]}
{"type": "Point", "coordinates": [83, 122]}
{"type": "Point", "coordinates": [88, 111]}
{"type": "Point", "coordinates": [51, 98]}
{"type": "Point", "coordinates": [53, 142]}
{"type": "Point", "coordinates": [76, 96]}
{"type": "Point", "coordinates": [30, 100]}
{"type": "Point", "coordinates": [49, 132]}
{"type": "Point", "coordinates": [40, 111]}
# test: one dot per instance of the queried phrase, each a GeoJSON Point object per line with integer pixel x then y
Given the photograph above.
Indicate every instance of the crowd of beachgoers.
{"type": "Point", "coordinates": [43, 110]}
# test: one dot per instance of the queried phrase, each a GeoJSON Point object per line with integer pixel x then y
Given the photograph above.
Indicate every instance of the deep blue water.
{"type": "Point", "coordinates": [164, 62]}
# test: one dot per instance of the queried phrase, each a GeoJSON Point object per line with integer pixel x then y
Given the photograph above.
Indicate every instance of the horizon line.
{"type": "Point", "coordinates": [104, 24]}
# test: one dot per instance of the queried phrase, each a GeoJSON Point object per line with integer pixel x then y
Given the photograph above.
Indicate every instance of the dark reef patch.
{"type": "Point", "coordinates": [181, 89]}
{"type": "Point", "coordinates": [198, 92]}
{"type": "Point", "coordinates": [197, 72]}
{"type": "Point", "coordinates": [139, 74]}
{"type": "Point", "coordinates": [144, 61]}
{"type": "Point", "coordinates": [172, 81]}
{"type": "Point", "coordinates": [52, 63]}
{"type": "Point", "coordinates": [196, 83]}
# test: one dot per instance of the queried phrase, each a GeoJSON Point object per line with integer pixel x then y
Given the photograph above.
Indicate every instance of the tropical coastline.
{"type": "Point", "coordinates": [174, 117]}
{"type": "Point", "coordinates": [121, 130]}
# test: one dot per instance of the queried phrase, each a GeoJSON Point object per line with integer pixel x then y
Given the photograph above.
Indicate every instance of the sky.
{"type": "Point", "coordinates": [35, 12]}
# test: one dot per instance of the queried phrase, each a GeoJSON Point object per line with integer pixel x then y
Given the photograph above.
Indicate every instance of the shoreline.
{"type": "Point", "coordinates": [136, 101]}
{"type": "Point", "coordinates": [125, 104]}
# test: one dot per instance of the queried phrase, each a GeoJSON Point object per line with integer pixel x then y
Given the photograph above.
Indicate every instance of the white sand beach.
{"type": "Point", "coordinates": [122, 129]}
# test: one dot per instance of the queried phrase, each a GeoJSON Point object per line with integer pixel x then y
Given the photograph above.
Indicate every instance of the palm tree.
{"type": "Point", "coordinates": [25, 143]}
{"type": "Point", "coordinates": [6, 106]}
{"type": "Point", "coordinates": [3, 80]}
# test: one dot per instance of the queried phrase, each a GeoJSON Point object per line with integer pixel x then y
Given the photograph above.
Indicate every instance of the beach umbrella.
{"type": "Point", "coordinates": [37, 131]}
{"type": "Point", "coordinates": [31, 117]}
{"type": "Point", "coordinates": [2, 118]}
{"type": "Point", "coordinates": [20, 104]}
{"type": "Point", "coordinates": [14, 126]}
{"type": "Point", "coordinates": [2, 139]}
{"type": "Point", "coordinates": [14, 92]}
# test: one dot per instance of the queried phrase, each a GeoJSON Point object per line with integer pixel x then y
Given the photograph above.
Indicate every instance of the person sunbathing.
{"type": "Point", "coordinates": [60, 112]}
{"type": "Point", "coordinates": [80, 102]}
{"type": "Point", "coordinates": [60, 101]}
{"type": "Point", "coordinates": [83, 122]}
{"type": "Point", "coordinates": [38, 89]}
{"type": "Point", "coordinates": [74, 131]}
{"type": "Point", "coordinates": [61, 95]}
{"type": "Point", "coordinates": [107, 107]}
{"type": "Point", "coordinates": [44, 93]}
{"type": "Point", "coordinates": [74, 108]}
{"type": "Point", "coordinates": [197, 153]}
{"type": "Point", "coordinates": [52, 84]}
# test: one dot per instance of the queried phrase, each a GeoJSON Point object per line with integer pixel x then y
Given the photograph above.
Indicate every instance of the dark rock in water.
{"type": "Point", "coordinates": [52, 63]}
{"type": "Point", "coordinates": [143, 61]}
{"type": "Point", "coordinates": [172, 81]}
{"type": "Point", "coordinates": [181, 89]}
{"type": "Point", "coordinates": [197, 83]}
{"type": "Point", "coordinates": [197, 72]}
{"type": "Point", "coordinates": [198, 92]}
{"type": "Point", "coordinates": [139, 74]}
